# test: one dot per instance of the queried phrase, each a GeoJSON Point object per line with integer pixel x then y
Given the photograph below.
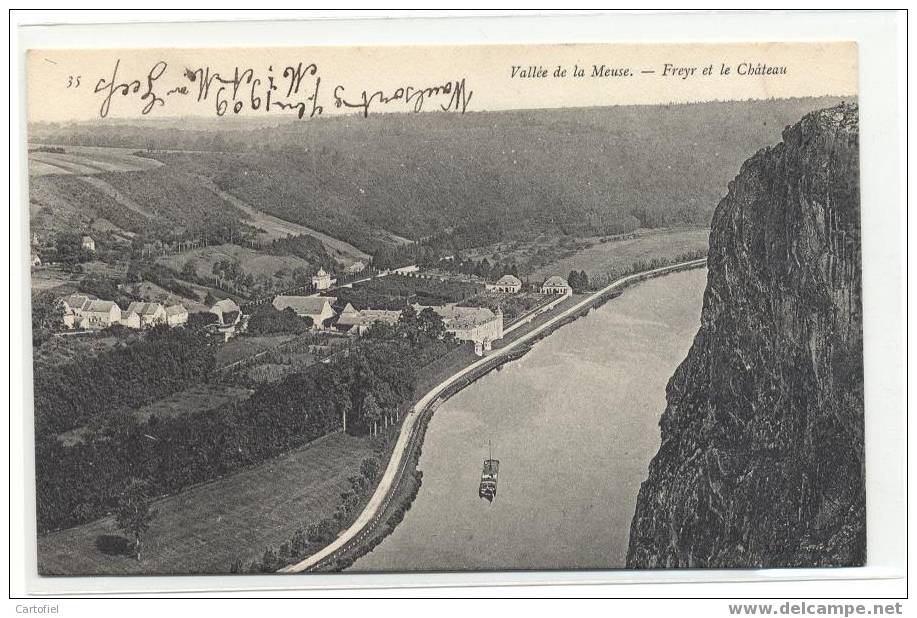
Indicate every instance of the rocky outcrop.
{"type": "Point", "coordinates": [761, 461]}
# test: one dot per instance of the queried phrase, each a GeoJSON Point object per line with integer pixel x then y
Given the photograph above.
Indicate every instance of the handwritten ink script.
{"type": "Point", "coordinates": [296, 89]}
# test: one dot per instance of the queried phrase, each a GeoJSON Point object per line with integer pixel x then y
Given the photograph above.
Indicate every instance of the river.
{"type": "Point", "coordinates": [574, 424]}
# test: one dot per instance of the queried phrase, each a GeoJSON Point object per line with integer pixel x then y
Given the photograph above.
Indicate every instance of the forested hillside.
{"type": "Point", "coordinates": [481, 177]}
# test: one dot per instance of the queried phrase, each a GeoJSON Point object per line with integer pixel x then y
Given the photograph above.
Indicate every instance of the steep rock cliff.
{"type": "Point", "coordinates": [761, 461]}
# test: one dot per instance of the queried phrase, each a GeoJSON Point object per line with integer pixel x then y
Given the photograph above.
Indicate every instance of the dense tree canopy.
{"type": "Point", "coordinates": [82, 481]}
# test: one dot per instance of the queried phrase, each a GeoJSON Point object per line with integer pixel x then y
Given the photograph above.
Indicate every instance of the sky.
{"type": "Point", "coordinates": [79, 85]}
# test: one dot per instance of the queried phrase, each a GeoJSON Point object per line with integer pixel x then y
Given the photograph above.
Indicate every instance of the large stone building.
{"type": "Point", "coordinates": [150, 314]}
{"type": "Point", "coordinates": [101, 314]}
{"type": "Point", "coordinates": [85, 311]}
{"type": "Point", "coordinates": [358, 322]}
{"type": "Point", "coordinates": [477, 324]}
{"type": "Point", "coordinates": [318, 308]}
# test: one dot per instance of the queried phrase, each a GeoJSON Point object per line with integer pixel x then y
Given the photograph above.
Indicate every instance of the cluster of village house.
{"type": "Point", "coordinates": [479, 325]}
{"type": "Point", "coordinates": [88, 312]}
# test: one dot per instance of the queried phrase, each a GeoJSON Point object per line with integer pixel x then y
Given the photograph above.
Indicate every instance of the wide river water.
{"type": "Point", "coordinates": [574, 424]}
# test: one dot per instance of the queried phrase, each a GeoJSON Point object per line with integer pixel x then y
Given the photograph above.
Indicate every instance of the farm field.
{"type": "Point", "coordinates": [205, 528]}
{"type": "Point", "coordinates": [82, 160]}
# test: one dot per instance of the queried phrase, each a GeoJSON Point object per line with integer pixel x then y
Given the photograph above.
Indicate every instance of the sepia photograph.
{"type": "Point", "coordinates": [438, 309]}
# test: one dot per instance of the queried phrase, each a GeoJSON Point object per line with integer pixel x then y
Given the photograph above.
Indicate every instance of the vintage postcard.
{"type": "Point", "coordinates": [412, 309]}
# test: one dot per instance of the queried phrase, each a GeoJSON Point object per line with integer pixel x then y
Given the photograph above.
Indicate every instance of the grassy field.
{"type": "Point", "coordinates": [251, 261]}
{"type": "Point", "coordinates": [198, 398]}
{"type": "Point", "coordinates": [275, 365]}
{"type": "Point", "coordinates": [104, 269]}
{"type": "Point", "coordinates": [549, 255]}
{"type": "Point", "coordinates": [53, 280]}
{"type": "Point", "coordinates": [246, 346]}
{"type": "Point", "coordinates": [152, 293]}
{"type": "Point", "coordinates": [205, 528]}
{"type": "Point", "coordinates": [603, 257]}
{"type": "Point", "coordinates": [66, 348]}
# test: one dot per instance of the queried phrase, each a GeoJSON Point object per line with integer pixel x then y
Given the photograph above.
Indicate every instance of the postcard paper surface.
{"type": "Point", "coordinates": [397, 309]}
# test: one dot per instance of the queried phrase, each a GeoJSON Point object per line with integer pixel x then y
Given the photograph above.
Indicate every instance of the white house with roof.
{"type": "Point", "coordinates": [176, 315]}
{"type": "Point", "coordinates": [73, 308]}
{"type": "Point", "coordinates": [131, 319]}
{"type": "Point", "coordinates": [100, 314]}
{"type": "Point", "coordinates": [556, 285]}
{"type": "Point", "coordinates": [322, 280]}
{"type": "Point", "coordinates": [360, 321]}
{"type": "Point", "coordinates": [227, 311]}
{"type": "Point", "coordinates": [87, 311]}
{"type": "Point", "coordinates": [318, 308]}
{"type": "Point", "coordinates": [150, 314]}
{"type": "Point", "coordinates": [477, 324]}
{"type": "Point", "coordinates": [76, 302]}
{"type": "Point", "coordinates": [88, 243]}
{"type": "Point", "coordinates": [506, 283]}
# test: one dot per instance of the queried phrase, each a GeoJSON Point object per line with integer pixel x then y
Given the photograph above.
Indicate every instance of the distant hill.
{"type": "Point", "coordinates": [466, 180]}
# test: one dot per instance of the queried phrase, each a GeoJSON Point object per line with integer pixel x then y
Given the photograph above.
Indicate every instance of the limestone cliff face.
{"type": "Point", "coordinates": [761, 462]}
